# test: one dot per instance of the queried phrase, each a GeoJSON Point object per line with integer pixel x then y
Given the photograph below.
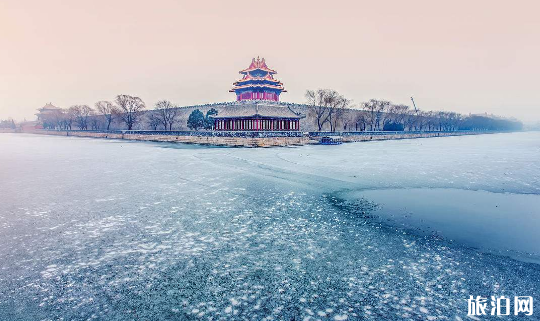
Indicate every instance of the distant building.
{"type": "Point", "coordinates": [29, 126]}
{"type": "Point", "coordinates": [258, 83]}
{"type": "Point", "coordinates": [47, 113]}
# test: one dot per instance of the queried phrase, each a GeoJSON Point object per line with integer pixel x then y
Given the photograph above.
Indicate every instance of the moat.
{"type": "Point", "coordinates": [123, 230]}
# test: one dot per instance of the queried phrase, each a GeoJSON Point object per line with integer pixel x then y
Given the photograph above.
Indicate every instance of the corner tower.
{"type": "Point", "coordinates": [258, 83]}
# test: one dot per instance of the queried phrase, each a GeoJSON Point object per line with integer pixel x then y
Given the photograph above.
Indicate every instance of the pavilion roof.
{"type": "Point", "coordinates": [248, 76]}
{"type": "Point", "coordinates": [277, 86]}
{"type": "Point", "coordinates": [257, 110]}
{"type": "Point", "coordinates": [258, 64]}
{"type": "Point", "coordinates": [50, 106]}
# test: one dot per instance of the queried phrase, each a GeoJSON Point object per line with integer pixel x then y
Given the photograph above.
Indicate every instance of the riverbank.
{"type": "Point", "coordinates": [250, 139]}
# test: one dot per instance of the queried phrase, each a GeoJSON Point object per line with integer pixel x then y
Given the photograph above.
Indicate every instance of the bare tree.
{"type": "Point", "coordinates": [422, 119]}
{"type": "Point", "coordinates": [108, 110]}
{"type": "Point", "coordinates": [414, 119]}
{"type": "Point", "coordinates": [130, 109]}
{"type": "Point", "coordinates": [154, 120]}
{"type": "Point", "coordinates": [382, 113]}
{"type": "Point", "coordinates": [68, 117]}
{"type": "Point", "coordinates": [95, 122]}
{"type": "Point", "coordinates": [338, 105]}
{"type": "Point", "coordinates": [167, 113]}
{"type": "Point", "coordinates": [81, 113]}
{"type": "Point", "coordinates": [395, 115]}
{"type": "Point", "coordinates": [431, 120]}
{"type": "Point", "coordinates": [376, 111]}
{"type": "Point", "coordinates": [324, 103]}
{"type": "Point", "coordinates": [370, 107]}
{"type": "Point", "coordinates": [362, 120]}
{"type": "Point", "coordinates": [453, 121]}
{"type": "Point", "coordinates": [314, 99]}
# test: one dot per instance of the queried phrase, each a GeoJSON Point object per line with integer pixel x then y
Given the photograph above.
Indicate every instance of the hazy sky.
{"type": "Point", "coordinates": [465, 56]}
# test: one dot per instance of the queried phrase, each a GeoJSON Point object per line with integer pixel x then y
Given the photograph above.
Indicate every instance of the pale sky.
{"type": "Point", "coordinates": [461, 55]}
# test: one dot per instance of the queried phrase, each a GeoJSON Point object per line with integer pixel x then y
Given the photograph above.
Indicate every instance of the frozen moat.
{"type": "Point", "coordinates": [116, 230]}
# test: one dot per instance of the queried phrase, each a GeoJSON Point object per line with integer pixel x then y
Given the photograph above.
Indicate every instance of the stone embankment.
{"type": "Point", "coordinates": [250, 139]}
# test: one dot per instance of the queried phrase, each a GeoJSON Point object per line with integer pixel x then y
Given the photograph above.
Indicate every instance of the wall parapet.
{"type": "Point", "coordinates": [250, 138]}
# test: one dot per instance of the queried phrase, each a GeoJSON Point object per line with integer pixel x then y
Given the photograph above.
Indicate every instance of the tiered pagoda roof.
{"type": "Point", "coordinates": [258, 64]}
{"type": "Point", "coordinates": [258, 83]}
{"type": "Point", "coordinates": [49, 106]}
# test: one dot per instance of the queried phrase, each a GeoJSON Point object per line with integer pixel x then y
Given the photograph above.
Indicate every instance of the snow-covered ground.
{"type": "Point", "coordinates": [121, 230]}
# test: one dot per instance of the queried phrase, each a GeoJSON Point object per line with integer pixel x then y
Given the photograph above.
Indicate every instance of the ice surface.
{"type": "Point", "coordinates": [504, 223]}
{"type": "Point", "coordinates": [116, 230]}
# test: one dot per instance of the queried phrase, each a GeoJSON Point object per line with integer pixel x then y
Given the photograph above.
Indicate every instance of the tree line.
{"type": "Point", "coordinates": [125, 108]}
{"type": "Point", "coordinates": [7, 124]}
{"type": "Point", "coordinates": [330, 109]}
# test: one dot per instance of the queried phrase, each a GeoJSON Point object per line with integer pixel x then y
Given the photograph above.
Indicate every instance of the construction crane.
{"type": "Point", "coordinates": [415, 109]}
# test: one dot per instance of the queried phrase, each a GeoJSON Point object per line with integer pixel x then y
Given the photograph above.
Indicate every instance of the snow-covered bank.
{"type": "Point", "coordinates": [251, 138]}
